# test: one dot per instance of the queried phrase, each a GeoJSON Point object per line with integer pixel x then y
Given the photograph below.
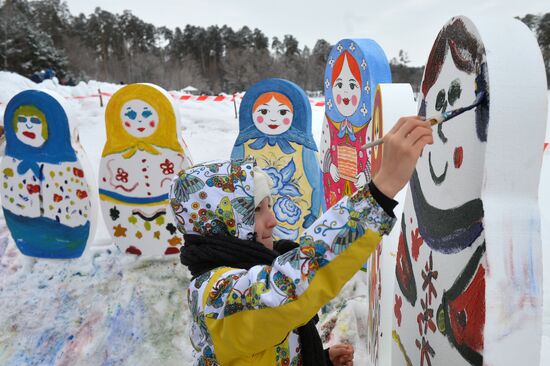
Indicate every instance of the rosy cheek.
{"type": "Point", "coordinates": [339, 99]}
{"type": "Point", "coordinates": [458, 157]}
{"type": "Point", "coordinates": [127, 124]}
{"type": "Point", "coordinates": [152, 124]}
{"type": "Point", "coordinates": [354, 100]}
{"type": "Point", "coordinates": [260, 119]}
{"type": "Point", "coordinates": [286, 121]}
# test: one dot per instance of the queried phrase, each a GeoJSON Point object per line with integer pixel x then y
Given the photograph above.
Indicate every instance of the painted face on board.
{"type": "Point", "coordinates": [30, 129]}
{"type": "Point", "coordinates": [346, 91]}
{"type": "Point", "coordinates": [452, 168]}
{"type": "Point", "coordinates": [139, 118]}
{"type": "Point", "coordinates": [273, 117]}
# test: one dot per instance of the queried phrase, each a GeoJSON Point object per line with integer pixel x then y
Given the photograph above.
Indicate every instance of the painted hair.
{"type": "Point", "coordinates": [266, 97]}
{"type": "Point", "coordinates": [353, 66]}
{"type": "Point", "coordinates": [30, 110]}
{"type": "Point", "coordinates": [468, 55]}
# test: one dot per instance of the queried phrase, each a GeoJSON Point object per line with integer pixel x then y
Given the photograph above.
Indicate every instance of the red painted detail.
{"type": "Point", "coordinates": [458, 156]}
{"type": "Point", "coordinates": [81, 194]}
{"type": "Point", "coordinates": [78, 172]}
{"type": "Point", "coordinates": [467, 313]}
{"type": "Point", "coordinates": [417, 242]}
{"type": "Point", "coordinates": [545, 146]}
{"type": "Point", "coordinates": [397, 309]}
{"type": "Point", "coordinates": [57, 198]}
{"type": "Point", "coordinates": [33, 188]}
{"type": "Point", "coordinates": [185, 97]}
{"type": "Point", "coordinates": [133, 250]}
{"type": "Point", "coordinates": [202, 98]}
{"type": "Point", "coordinates": [219, 98]}
{"type": "Point", "coordinates": [171, 250]}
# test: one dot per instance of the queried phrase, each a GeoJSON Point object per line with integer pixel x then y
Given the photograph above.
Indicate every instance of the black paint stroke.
{"type": "Point", "coordinates": [446, 230]}
{"type": "Point", "coordinates": [143, 216]}
{"type": "Point", "coordinates": [454, 91]}
{"type": "Point", "coordinates": [437, 179]}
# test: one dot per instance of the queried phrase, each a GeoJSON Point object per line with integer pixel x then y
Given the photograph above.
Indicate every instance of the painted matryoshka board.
{"type": "Point", "coordinates": [275, 128]}
{"type": "Point", "coordinates": [355, 67]}
{"type": "Point", "coordinates": [391, 102]}
{"type": "Point", "coordinates": [468, 268]}
{"type": "Point", "coordinates": [49, 204]}
{"type": "Point", "coordinates": [142, 154]}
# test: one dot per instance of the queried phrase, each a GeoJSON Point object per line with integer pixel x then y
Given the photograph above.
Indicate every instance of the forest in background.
{"type": "Point", "coordinates": [122, 48]}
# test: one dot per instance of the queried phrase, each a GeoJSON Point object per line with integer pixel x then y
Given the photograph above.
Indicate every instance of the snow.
{"type": "Point", "coordinates": [109, 308]}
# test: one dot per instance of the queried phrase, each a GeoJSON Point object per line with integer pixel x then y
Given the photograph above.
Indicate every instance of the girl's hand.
{"type": "Point", "coordinates": [402, 148]}
{"type": "Point", "coordinates": [341, 355]}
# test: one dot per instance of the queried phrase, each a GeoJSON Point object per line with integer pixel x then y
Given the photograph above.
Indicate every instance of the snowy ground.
{"type": "Point", "coordinates": [79, 311]}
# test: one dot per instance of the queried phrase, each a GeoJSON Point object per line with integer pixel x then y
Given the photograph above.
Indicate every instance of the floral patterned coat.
{"type": "Point", "coordinates": [249, 317]}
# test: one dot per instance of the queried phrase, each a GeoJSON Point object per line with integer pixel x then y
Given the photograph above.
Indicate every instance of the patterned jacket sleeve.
{"type": "Point", "coordinates": [249, 311]}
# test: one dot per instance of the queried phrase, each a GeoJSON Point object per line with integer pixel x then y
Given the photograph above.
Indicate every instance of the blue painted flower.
{"type": "Point", "coordinates": [282, 180]}
{"type": "Point", "coordinates": [286, 210]}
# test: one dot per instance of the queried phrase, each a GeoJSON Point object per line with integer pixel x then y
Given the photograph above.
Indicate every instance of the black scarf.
{"type": "Point", "coordinates": [205, 253]}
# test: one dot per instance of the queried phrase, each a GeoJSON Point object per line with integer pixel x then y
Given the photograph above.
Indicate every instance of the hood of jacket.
{"type": "Point", "coordinates": [215, 198]}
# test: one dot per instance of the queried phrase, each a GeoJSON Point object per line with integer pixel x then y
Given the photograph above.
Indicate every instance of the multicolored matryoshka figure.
{"type": "Point", "coordinates": [49, 205]}
{"type": "Point", "coordinates": [275, 128]}
{"type": "Point", "coordinates": [354, 69]}
{"type": "Point", "coordinates": [142, 154]}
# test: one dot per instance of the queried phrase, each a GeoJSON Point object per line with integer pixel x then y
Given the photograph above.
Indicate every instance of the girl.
{"type": "Point", "coordinates": [252, 305]}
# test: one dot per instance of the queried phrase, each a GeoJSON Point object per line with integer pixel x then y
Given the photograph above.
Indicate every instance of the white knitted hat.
{"type": "Point", "coordinates": [262, 186]}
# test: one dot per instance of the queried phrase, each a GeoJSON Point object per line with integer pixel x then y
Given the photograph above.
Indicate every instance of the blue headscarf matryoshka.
{"type": "Point", "coordinates": [37, 134]}
{"type": "Point", "coordinates": [275, 128]}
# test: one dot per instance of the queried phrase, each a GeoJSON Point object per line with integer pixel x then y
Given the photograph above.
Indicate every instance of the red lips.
{"type": "Point", "coordinates": [458, 156]}
{"type": "Point", "coordinates": [273, 126]}
{"type": "Point", "coordinates": [29, 134]}
{"type": "Point", "coordinates": [141, 129]}
{"type": "Point", "coordinates": [346, 101]}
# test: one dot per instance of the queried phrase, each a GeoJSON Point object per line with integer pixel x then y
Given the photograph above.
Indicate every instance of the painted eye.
{"type": "Point", "coordinates": [352, 86]}
{"type": "Point", "coordinates": [454, 91]}
{"type": "Point", "coordinates": [146, 114]}
{"type": "Point", "coordinates": [35, 120]}
{"type": "Point", "coordinates": [131, 114]}
{"type": "Point", "coordinates": [440, 101]}
{"type": "Point", "coordinates": [263, 111]}
{"type": "Point", "coordinates": [21, 119]}
{"type": "Point", "coordinates": [283, 112]}
{"type": "Point", "coordinates": [339, 85]}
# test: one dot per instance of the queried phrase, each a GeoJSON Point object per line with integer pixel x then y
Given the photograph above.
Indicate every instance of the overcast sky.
{"type": "Point", "coordinates": [395, 24]}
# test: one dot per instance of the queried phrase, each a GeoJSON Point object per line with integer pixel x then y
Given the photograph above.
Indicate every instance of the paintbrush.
{"type": "Point", "coordinates": [443, 117]}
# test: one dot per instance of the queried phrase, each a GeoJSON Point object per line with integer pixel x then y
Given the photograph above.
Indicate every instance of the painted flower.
{"type": "Point", "coordinates": [282, 180]}
{"type": "Point", "coordinates": [167, 167]}
{"type": "Point", "coordinates": [121, 175]}
{"type": "Point", "coordinates": [286, 210]}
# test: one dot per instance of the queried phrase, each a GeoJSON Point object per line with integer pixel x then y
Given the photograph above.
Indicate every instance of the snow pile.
{"type": "Point", "coordinates": [109, 308]}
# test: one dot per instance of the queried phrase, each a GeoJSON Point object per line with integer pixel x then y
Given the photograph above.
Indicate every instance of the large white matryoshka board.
{"type": "Point", "coordinates": [391, 102]}
{"type": "Point", "coordinates": [354, 68]}
{"type": "Point", "coordinates": [49, 202]}
{"type": "Point", "coordinates": [275, 128]}
{"type": "Point", "coordinates": [468, 268]}
{"type": "Point", "coordinates": [143, 152]}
